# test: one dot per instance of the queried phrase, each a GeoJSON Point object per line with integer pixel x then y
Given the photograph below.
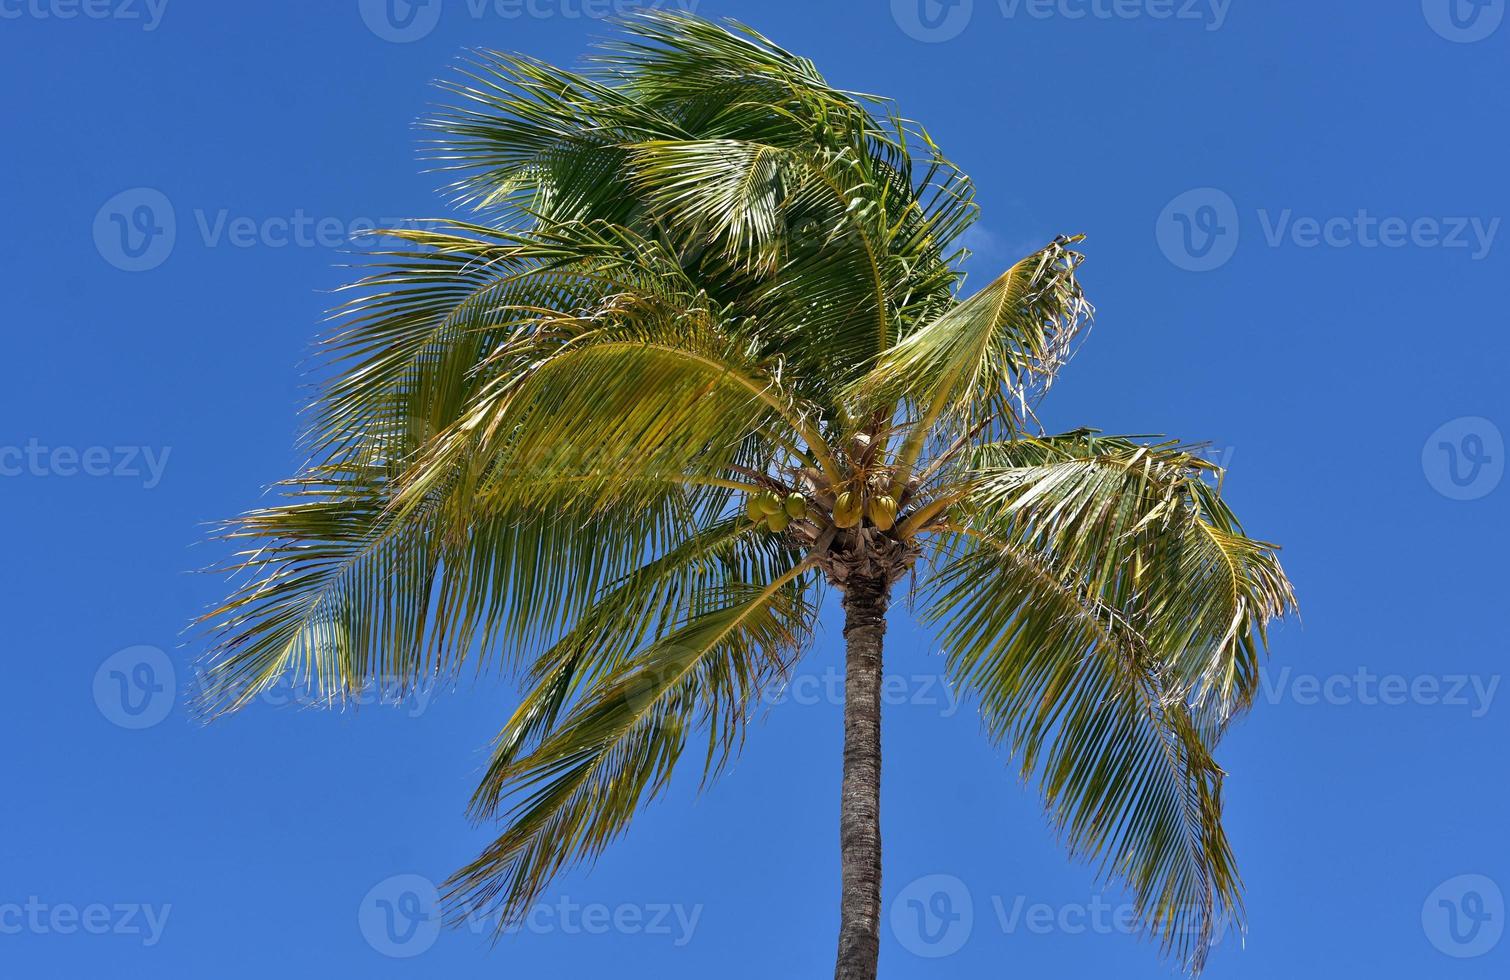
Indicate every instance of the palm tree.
{"type": "Point", "coordinates": [705, 355]}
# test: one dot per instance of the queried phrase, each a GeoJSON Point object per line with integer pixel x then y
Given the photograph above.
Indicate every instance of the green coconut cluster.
{"type": "Point", "coordinates": [775, 511]}
{"type": "Point", "coordinates": [850, 507]}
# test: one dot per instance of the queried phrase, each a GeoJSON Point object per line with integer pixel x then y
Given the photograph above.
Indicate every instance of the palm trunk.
{"type": "Point", "coordinates": [865, 601]}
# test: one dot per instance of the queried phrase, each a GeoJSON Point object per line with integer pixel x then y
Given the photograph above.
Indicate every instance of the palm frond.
{"type": "Point", "coordinates": [1105, 607]}
{"type": "Point", "coordinates": [1150, 537]}
{"type": "Point", "coordinates": [341, 591]}
{"type": "Point", "coordinates": [982, 359]}
{"type": "Point", "coordinates": [639, 608]}
{"type": "Point", "coordinates": [796, 204]}
{"type": "Point", "coordinates": [576, 790]}
{"type": "Point", "coordinates": [1068, 684]}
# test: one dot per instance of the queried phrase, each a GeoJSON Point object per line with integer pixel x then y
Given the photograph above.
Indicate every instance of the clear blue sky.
{"type": "Point", "coordinates": [1296, 247]}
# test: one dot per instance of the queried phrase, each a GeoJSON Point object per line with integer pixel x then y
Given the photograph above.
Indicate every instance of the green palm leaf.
{"type": "Point", "coordinates": [576, 790]}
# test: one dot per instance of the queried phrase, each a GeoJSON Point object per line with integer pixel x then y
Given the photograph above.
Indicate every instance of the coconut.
{"type": "Point", "coordinates": [779, 521]}
{"type": "Point", "coordinates": [753, 509]}
{"type": "Point", "coordinates": [770, 504]}
{"type": "Point", "coordinates": [847, 509]}
{"type": "Point", "coordinates": [795, 506]}
{"type": "Point", "coordinates": [883, 512]}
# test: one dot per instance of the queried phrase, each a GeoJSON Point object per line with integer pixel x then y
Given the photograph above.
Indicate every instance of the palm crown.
{"type": "Point", "coordinates": [705, 355]}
